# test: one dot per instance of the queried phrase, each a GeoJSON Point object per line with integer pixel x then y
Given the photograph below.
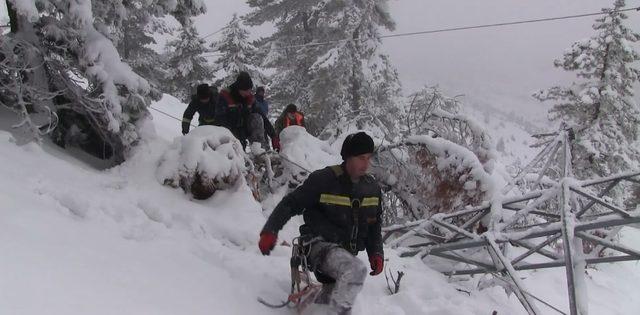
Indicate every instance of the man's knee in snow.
{"type": "Point", "coordinates": [356, 272]}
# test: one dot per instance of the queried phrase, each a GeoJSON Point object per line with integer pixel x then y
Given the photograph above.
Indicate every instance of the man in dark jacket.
{"type": "Point", "coordinates": [204, 104]}
{"type": "Point", "coordinates": [342, 214]}
{"type": "Point", "coordinates": [261, 103]}
{"type": "Point", "coordinates": [236, 108]}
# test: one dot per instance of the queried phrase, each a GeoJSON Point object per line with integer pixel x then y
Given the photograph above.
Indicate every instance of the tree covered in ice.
{"type": "Point", "coordinates": [599, 106]}
{"type": "Point", "coordinates": [99, 99]}
{"type": "Point", "coordinates": [237, 54]}
{"type": "Point", "coordinates": [187, 64]}
{"type": "Point", "coordinates": [422, 176]}
{"type": "Point", "coordinates": [134, 38]}
{"type": "Point", "coordinates": [431, 112]}
{"type": "Point", "coordinates": [329, 62]}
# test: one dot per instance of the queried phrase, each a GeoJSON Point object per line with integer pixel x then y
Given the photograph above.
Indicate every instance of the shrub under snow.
{"type": "Point", "coordinates": [207, 159]}
{"type": "Point", "coordinates": [431, 175]}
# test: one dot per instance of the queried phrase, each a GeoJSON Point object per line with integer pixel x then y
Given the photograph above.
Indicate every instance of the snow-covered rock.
{"type": "Point", "coordinates": [207, 159]}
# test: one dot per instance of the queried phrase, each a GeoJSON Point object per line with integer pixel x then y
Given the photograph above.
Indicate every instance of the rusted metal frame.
{"type": "Point", "coordinates": [548, 164]}
{"type": "Point", "coordinates": [600, 195]}
{"type": "Point", "coordinates": [407, 225]}
{"type": "Point", "coordinates": [526, 227]}
{"type": "Point", "coordinates": [549, 254]}
{"type": "Point", "coordinates": [510, 272]}
{"type": "Point", "coordinates": [606, 243]}
{"type": "Point", "coordinates": [538, 212]}
{"type": "Point", "coordinates": [552, 264]}
{"type": "Point", "coordinates": [462, 259]}
{"type": "Point", "coordinates": [551, 146]}
{"type": "Point", "coordinates": [537, 249]}
{"type": "Point", "coordinates": [508, 201]}
{"type": "Point", "coordinates": [436, 238]}
{"type": "Point", "coordinates": [609, 235]}
{"type": "Point", "coordinates": [567, 227]}
{"type": "Point", "coordinates": [454, 229]}
{"type": "Point", "coordinates": [465, 212]}
{"type": "Point", "coordinates": [542, 233]}
{"type": "Point", "coordinates": [600, 201]}
{"type": "Point", "coordinates": [526, 197]}
{"type": "Point", "coordinates": [526, 210]}
{"type": "Point", "coordinates": [469, 223]}
{"type": "Point", "coordinates": [410, 227]}
{"type": "Point", "coordinates": [466, 243]}
{"type": "Point", "coordinates": [624, 176]}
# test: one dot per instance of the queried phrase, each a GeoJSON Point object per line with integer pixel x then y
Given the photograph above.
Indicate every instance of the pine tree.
{"type": "Point", "coordinates": [134, 37]}
{"type": "Point", "coordinates": [600, 106]}
{"type": "Point", "coordinates": [237, 54]}
{"type": "Point", "coordinates": [72, 56]}
{"type": "Point", "coordinates": [349, 79]}
{"type": "Point", "coordinates": [188, 67]}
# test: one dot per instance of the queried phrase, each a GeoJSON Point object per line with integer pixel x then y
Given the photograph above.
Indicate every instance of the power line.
{"type": "Point", "coordinates": [453, 29]}
{"type": "Point", "coordinates": [504, 24]}
{"type": "Point", "coordinates": [169, 115]}
{"type": "Point", "coordinates": [214, 33]}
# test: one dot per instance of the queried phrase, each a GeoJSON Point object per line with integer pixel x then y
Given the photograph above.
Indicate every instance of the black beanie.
{"type": "Point", "coordinates": [203, 91]}
{"type": "Point", "coordinates": [291, 108]}
{"type": "Point", "coordinates": [243, 81]}
{"type": "Point", "coordinates": [356, 144]}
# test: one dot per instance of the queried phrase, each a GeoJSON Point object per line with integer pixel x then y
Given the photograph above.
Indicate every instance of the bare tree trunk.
{"type": "Point", "coordinates": [13, 17]}
{"type": "Point", "coordinates": [605, 67]}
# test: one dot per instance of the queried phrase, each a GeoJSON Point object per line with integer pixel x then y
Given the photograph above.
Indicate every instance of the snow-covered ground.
{"type": "Point", "coordinates": [75, 240]}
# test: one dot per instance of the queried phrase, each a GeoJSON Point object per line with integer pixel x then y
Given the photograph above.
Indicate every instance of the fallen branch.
{"type": "Point", "coordinates": [395, 281]}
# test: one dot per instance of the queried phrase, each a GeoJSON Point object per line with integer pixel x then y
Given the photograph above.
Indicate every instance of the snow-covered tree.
{"type": "Point", "coordinates": [600, 106]}
{"type": "Point", "coordinates": [237, 54]}
{"type": "Point", "coordinates": [188, 67]}
{"type": "Point", "coordinates": [134, 37]}
{"type": "Point", "coordinates": [328, 61]}
{"type": "Point", "coordinates": [430, 112]}
{"type": "Point", "coordinates": [36, 117]}
{"type": "Point", "coordinates": [96, 93]}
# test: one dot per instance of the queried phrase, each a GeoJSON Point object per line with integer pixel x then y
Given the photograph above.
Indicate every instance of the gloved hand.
{"type": "Point", "coordinates": [185, 131]}
{"type": "Point", "coordinates": [267, 242]}
{"type": "Point", "coordinates": [275, 143]}
{"type": "Point", "coordinates": [377, 264]}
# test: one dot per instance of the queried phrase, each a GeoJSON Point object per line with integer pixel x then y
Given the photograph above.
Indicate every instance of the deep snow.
{"type": "Point", "coordinates": [80, 241]}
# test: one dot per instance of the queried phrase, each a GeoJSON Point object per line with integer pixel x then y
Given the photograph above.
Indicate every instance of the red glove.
{"type": "Point", "coordinates": [275, 143]}
{"type": "Point", "coordinates": [267, 242]}
{"type": "Point", "coordinates": [377, 264]}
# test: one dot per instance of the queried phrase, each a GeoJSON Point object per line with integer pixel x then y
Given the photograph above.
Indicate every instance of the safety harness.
{"type": "Point", "coordinates": [303, 289]}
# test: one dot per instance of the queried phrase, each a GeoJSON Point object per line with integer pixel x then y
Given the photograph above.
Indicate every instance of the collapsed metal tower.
{"type": "Point", "coordinates": [575, 224]}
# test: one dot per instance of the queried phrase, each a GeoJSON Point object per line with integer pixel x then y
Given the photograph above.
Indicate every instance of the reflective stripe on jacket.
{"type": "Point", "coordinates": [336, 209]}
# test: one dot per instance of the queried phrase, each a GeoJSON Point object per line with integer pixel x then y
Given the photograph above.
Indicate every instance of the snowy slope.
{"type": "Point", "coordinates": [81, 241]}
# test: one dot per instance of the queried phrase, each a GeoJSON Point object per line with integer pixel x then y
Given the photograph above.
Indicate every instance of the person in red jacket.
{"type": "Point", "coordinates": [236, 110]}
{"type": "Point", "coordinates": [290, 117]}
{"type": "Point", "coordinates": [342, 214]}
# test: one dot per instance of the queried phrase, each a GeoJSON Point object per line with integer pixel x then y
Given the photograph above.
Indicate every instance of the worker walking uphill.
{"type": "Point", "coordinates": [342, 214]}
{"type": "Point", "coordinates": [203, 103]}
{"type": "Point", "coordinates": [237, 112]}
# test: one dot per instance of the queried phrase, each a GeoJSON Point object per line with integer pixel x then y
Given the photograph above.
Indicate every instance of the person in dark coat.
{"type": "Point", "coordinates": [261, 103]}
{"type": "Point", "coordinates": [204, 104]}
{"type": "Point", "coordinates": [236, 109]}
{"type": "Point", "coordinates": [341, 207]}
